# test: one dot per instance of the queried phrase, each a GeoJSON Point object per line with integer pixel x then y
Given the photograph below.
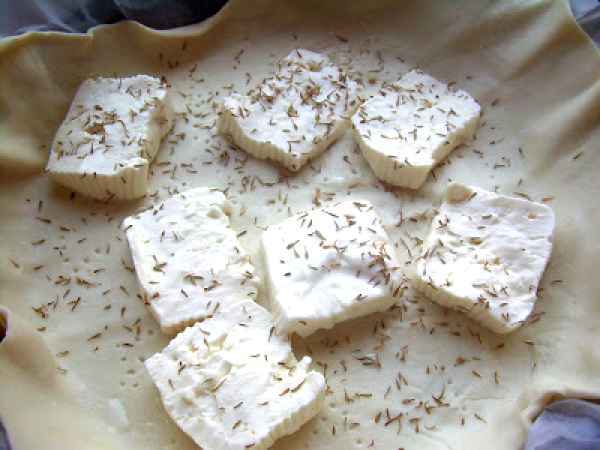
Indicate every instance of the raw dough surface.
{"type": "Point", "coordinates": [64, 261]}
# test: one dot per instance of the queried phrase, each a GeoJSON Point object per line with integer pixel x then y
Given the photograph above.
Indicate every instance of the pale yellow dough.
{"type": "Point", "coordinates": [530, 56]}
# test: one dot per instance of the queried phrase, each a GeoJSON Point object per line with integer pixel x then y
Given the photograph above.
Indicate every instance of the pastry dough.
{"type": "Point", "coordinates": [532, 70]}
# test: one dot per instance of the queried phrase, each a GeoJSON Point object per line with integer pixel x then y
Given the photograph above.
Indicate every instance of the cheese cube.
{"type": "Point", "coordinates": [230, 383]}
{"type": "Point", "coordinates": [411, 126]}
{"type": "Point", "coordinates": [111, 134]}
{"type": "Point", "coordinates": [187, 258]}
{"type": "Point", "coordinates": [330, 265]}
{"type": "Point", "coordinates": [293, 116]}
{"type": "Point", "coordinates": [485, 255]}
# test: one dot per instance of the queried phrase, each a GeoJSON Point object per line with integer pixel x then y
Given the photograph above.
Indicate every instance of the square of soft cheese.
{"type": "Point", "coordinates": [293, 116]}
{"type": "Point", "coordinates": [412, 125]}
{"type": "Point", "coordinates": [111, 134]}
{"type": "Point", "coordinates": [329, 265]}
{"type": "Point", "coordinates": [230, 383]}
{"type": "Point", "coordinates": [485, 255]}
{"type": "Point", "coordinates": [188, 260]}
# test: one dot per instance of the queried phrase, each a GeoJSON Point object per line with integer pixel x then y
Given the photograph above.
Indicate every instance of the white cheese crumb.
{"type": "Point", "coordinates": [485, 255]}
{"type": "Point", "coordinates": [231, 384]}
{"type": "Point", "coordinates": [330, 265]}
{"type": "Point", "coordinates": [293, 116]}
{"type": "Point", "coordinates": [111, 134]}
{"type": "Point", "coordinates": [188, 260]}
{"type": "Point", "coordinates": [411, 126]}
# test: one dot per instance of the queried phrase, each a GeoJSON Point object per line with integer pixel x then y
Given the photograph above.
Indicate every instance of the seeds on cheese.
{"type": "Point", "coordinates": [411, 126]}
{"type": "Point", "coordinates": [485, 255]}
{"type": "Point", "coordinates": [110, 135]}
{"type": "Point", "coordinates": [230, 383]}
{"type": "Point", "coordinates": [329, 265]}
{"type": "Point", "coordinates": [293, 116]}
{"type": "Point", "coordinates": [188, 260]}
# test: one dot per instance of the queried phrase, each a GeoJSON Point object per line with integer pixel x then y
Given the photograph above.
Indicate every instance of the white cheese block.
{"type": "Point", "coordinates": [230, 383]}
{"type": "Point", "coordinates": [110, 135]}
{"type": "Point", "coordinates": [485, 255]}
{"type": "Point", "coordinates": [188, 260]}
{"type": "Point", "coordinates": [293, 116]}
{"type": "Point", "coordinates": [329, 265]}
{"type": "Point", "coordinates": [412, 125]}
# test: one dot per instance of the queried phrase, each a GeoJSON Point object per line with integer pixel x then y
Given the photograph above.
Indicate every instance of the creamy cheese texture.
{"type": "Point", "coordinates": [231, 383]}
{"type": "Point", "coordinates": [329, 265]}
{"type": "Point", "coordinates": [188, 260]}
{"type": "Point", "coordinates": [485, 255]}
{"type": "Point", "coordinates": [110, 135]}
{"type": "Point", "coordinates": [411, 125]}
{"type": "Point", "coordinates": [293, 116]}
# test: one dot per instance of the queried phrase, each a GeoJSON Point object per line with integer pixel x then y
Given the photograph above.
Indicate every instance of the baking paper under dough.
{"type": "Point", "coordinates": [535, 74]}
